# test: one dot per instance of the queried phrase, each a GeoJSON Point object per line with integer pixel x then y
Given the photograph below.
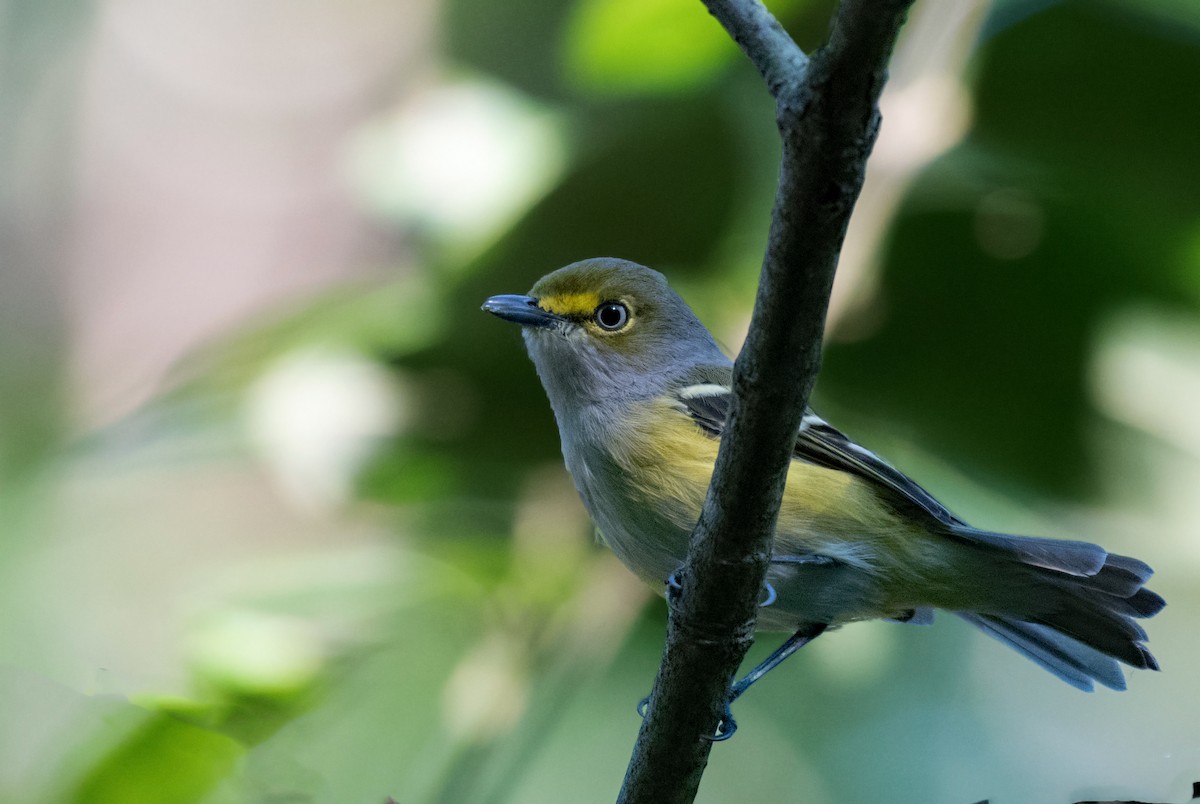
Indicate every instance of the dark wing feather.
{"type": "Point", "coordinates": [822, 444]}
{"type": "Point", "coordinates": [708, 399]}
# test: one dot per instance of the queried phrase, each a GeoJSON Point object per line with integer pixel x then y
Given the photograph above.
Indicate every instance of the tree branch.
{"type": "Point", "coordinates": [763, 40]}
{"type": "Point", "coordinates": [828, 117]}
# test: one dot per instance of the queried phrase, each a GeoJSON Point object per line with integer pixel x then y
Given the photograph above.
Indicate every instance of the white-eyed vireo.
{"type": "Point", "coordinates": [640, 391]}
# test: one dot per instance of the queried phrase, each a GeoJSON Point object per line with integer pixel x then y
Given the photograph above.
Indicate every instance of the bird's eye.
{"type": "Point", "coordinates": [612, 316]}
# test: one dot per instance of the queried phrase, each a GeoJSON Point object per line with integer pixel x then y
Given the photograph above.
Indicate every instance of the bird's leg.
{"type": "Point", "coordinates": [795, 642]}
{"type": "Point", "coordinates": [807, 633]}
{"type": "Point", "coordinates": [674, 588]}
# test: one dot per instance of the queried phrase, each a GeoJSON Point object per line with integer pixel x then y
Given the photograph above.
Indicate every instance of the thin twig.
{"type": "Point", "coordinates": [828, 117]}
{"type": "Point", "coordinates": [763, 40]}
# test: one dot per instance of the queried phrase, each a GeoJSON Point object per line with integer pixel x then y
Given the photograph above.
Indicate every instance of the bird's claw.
{"type": "Point", "coordinates": [643, 707]}
{"type": "Point", "coordinates": [726, 726]}
{"type": "Point", "coordinates": [675, 588]}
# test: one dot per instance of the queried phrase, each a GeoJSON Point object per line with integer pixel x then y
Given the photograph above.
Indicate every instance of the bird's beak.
{"type": "Point", "coordinates": [521, 310]}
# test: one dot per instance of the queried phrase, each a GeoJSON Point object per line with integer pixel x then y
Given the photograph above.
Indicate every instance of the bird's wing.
{"type": "Point", "coordinates": [706, 397]}
{"type": "Point", "coordinates": [707, 401]}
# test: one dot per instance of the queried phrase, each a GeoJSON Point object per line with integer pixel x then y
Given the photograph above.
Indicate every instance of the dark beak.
{"type": "Point", "coordinates": [521, 310]}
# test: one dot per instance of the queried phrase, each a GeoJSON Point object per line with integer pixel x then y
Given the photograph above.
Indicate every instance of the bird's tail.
{"type": "Point", "coordinates": [1069, 606]}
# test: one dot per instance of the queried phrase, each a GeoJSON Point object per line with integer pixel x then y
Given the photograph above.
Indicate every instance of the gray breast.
{"type": "Point", "coordinates": [644, 540]}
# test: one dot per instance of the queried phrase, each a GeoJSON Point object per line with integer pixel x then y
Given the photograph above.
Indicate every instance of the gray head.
{"type": "Point", "coordinates": [604, 330]}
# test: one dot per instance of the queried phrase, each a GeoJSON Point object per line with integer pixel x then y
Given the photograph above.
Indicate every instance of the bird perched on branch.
{"type": "Point", "coordinates": [641, 394]}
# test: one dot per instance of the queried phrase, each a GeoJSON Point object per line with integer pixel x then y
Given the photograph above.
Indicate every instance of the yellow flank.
{"type": "Point", "coordinates": [566, 304]}
{"type": "Point", "coordinates": [669, 461]}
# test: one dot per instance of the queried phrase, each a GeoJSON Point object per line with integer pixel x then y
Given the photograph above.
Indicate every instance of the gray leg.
{"type": "Point", "coordinates": [795, 642]}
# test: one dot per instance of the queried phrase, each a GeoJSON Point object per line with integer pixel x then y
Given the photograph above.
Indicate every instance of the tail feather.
{"type": "Point", "coordinates": [1121, 575]}
{"type": "Point", "coordinates": [1140, 605]}
{"type": "Point", "coordinates": [1104, 629]}
{"type": "Point", "coordinates": [1062, 555]}
{"type": "Point", "coordinates": [1144, 603]}
{"type": "Point", "coordinates": [1072, 661]}
{"type": "Point", "coordinates": [1069, 606]}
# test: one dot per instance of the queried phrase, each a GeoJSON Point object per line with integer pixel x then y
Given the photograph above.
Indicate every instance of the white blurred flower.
{"type": "Point", "coordinates": [488, 691]}
{"type": "Point", "coordinates": [463, 159]}
{"type": "Point", "coordinates": [1146, 374]}
{"type": "Point", "coordinates": [257, 651]}
{"type": "Point", "coordinates": [315, 417]}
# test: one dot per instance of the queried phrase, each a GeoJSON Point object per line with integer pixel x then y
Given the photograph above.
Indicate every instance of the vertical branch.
{"type": "Point", "coordinates": [826, 108]}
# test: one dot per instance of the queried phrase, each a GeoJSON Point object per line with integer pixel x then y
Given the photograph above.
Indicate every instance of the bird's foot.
{"type": "Point", "coordinates": [726, 726]}
{"type": "Point", "coordinates": [675, 589]}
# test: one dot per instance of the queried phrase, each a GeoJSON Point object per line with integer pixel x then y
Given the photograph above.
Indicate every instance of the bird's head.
{"type": "Point", "coordinates": [606, 330]}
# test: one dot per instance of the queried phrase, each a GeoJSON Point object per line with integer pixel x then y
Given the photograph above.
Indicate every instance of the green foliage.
{"type": "Point", "coordinates": [646, 46]}
{"type": "Point", "coordinates": [1095, 203]}
{"type": "Point", "coordinates": [447, 631]}
{"type": "Point", "coordinates": [166, 760]}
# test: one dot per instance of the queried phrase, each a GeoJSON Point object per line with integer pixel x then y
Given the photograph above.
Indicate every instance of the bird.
{"type": "Point", "coordinates": [641, 394]}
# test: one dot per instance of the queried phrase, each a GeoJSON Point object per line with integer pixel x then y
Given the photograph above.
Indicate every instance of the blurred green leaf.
{"type": "Point", "coordinates": [166, 761]}
{"type": "Point", "coordinates": [516, 41]}
{"type": "Point", "coordinates": [647, 46]}
{"type": "Point", "coordinates": [408, 474]}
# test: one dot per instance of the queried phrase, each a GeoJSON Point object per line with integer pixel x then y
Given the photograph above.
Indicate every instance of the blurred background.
{"type": "Point", "coordinates": [283, 516]}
